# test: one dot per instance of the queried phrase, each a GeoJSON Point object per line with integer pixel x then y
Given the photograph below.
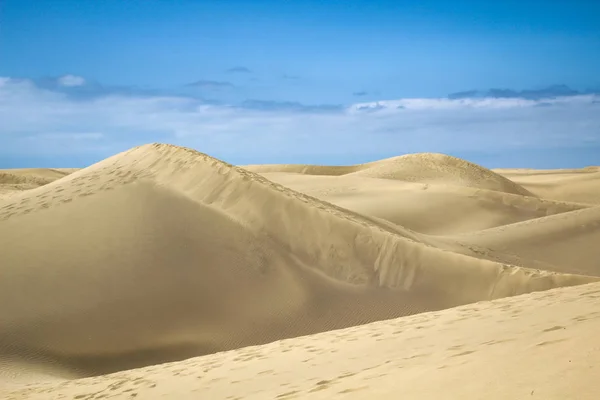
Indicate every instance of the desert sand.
{"type": "Point", "coordinates": [162, 272]}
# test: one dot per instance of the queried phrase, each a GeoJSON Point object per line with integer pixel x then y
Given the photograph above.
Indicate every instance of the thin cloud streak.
{"type": "Point", "coordinates": [71, 80]}
{"type": "Point", "coordinates": [207, 84]}
{"type": "Point", "coordinates": [239, 70]}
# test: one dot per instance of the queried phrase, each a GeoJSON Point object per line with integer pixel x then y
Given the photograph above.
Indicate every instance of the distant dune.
{"type": "Point", "coordinates": [23, 179]}
{"type": "Point", "coordinates": [421, 167]}
{"type": "Point", "coordinates": [162, 253]}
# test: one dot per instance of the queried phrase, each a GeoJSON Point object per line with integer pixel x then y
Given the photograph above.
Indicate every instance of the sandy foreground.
{"type": "Point", "coordinates": [161, 272]}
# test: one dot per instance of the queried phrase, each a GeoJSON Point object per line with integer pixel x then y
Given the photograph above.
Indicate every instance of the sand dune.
{"type": "Point", "coordinates": [162, 253]}
{"type": "Point", "coordinates": [567, 241]}
{"type": "Point", "coordinates": [541, 345]}
{"type": "Point", "coordinates": [431, 167]}
{"type": "Point", "coordinates": [421, 167]}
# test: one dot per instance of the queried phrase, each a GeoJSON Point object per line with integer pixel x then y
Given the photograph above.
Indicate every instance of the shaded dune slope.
{"type": "Point", "coordinates": [163, 253]}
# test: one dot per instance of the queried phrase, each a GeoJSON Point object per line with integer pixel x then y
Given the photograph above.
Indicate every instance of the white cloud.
{"type": "Point", "coordinates": [44, 122]}
{"type": "Point", "coordinates": [71, 80]}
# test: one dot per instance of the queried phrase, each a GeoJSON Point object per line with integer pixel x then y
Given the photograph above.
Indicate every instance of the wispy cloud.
{"type": "Point", "coordinates": [80, 88]}
{"type": "Point", "coordinates": [373, 107]}
{"type": "Point", "coordinates": [474, 103]}
{"type": "Point", "coordinates": [48, 122]}
{"type": "Point", "coordinates": [207, 84]}
{"type": "Point", "coordinates": [530, 94]}
{"type": "Point", "coordinates": [290, 77]}
{"type": "Point", "coordinates": [71, 80]}
{"type": "Point", "coordinates": [239, 70]}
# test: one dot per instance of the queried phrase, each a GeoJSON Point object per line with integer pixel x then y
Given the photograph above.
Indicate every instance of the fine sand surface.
{"type": "Point", "coordinates": [542, 345]}
{"type": "Point", "coordinates": [161, 254]}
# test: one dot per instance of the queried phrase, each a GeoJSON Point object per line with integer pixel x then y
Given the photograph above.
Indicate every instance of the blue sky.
{"type": "Point", "coordinates": [87, 78]}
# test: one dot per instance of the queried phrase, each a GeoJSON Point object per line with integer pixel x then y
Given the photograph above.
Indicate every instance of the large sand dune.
{"type": "Point", "coordinates": [162, 253]}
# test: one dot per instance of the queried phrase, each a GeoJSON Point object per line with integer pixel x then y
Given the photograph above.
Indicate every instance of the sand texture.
{"type": "Point", "coordinates": [150, 273]}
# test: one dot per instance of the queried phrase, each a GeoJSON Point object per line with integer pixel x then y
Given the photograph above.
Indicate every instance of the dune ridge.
{"type": "Point", "coordinates": [162, 253]}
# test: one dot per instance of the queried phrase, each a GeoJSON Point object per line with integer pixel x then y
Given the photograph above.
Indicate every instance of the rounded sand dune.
{"type": "Point", "coordinates": [162, 253]}
{"type": "Point", "coordinates": [440, 168]}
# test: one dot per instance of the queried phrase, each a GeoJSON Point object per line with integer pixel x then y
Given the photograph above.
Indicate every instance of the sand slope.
{"type": "Point", "coordinates": [541, 345]}
{"type": "Point", "coordinates": [162, 253]}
